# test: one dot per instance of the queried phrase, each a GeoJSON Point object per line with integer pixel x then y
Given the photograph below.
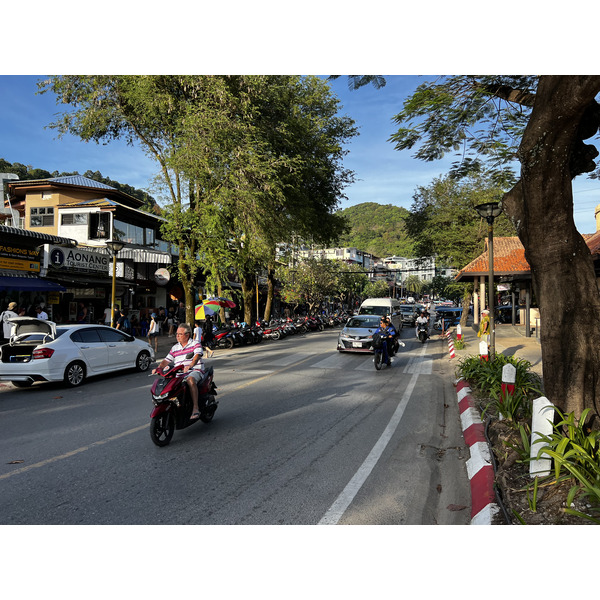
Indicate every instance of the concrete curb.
{"type": "Point", "coordinates": [479, 466]}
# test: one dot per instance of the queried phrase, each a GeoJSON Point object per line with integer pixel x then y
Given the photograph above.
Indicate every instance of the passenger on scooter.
{"type": "Point", "coordinates": [194, 367]}
{"type": "Point", "coordinates": [421, 320]}
{"type": "Point", "coordinates": [387, 332]}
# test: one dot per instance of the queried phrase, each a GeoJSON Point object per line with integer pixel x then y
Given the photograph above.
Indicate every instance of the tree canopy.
{"type": "Point", "coordinates": [494, 124]}
{"type": "Point", "coordinates": [245, 161]}
{"type": "Point", "coordinates": [379, 229]}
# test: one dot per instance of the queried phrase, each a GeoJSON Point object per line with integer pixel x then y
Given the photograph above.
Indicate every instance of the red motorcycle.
{"type": "Point", "coordinates": [173, 404]}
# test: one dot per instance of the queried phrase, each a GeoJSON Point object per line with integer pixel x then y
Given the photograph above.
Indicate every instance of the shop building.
{"type": "Point", "coordinates": [88, 214]}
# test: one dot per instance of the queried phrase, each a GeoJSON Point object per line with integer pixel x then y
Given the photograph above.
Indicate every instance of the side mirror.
{"type": "Point", "coordinates": [189, 356]}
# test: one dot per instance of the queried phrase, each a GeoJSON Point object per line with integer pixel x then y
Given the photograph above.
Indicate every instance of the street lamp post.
{"type": "Point", "coordinates": [115, 247]}
{"type": "Point", "coordinates": [489, 211]}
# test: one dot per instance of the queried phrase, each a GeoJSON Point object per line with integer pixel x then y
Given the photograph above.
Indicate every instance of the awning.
{"type": "Point", "coordinates": [30, 284]}
{"type": "Point", "coordinates": [143, 255]}
{"type": "Point", "coordinates": [36, 237]}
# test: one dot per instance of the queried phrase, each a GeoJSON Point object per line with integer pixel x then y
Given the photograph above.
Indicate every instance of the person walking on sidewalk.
{"type": "Point", "coordinates": [153, 332]}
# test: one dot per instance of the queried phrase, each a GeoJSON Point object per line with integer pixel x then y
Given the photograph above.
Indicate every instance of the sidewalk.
{"type": "Point", "coordinates": [510, 341]}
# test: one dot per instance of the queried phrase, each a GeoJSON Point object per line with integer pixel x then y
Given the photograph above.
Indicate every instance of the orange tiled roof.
{"type": "Point", "coordinates": [509, 257]}
{"type": "Point", "coordinates": [593, 242]}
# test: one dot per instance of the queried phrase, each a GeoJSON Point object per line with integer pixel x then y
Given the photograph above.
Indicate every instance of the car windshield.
{"type": "Point", "coordinates": [366, 323]}
{"type": "Point", "coordinates": [375, 310]}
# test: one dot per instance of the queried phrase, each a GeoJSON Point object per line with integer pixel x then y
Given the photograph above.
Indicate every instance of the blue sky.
{"type": "Point", "coordinates": [383, 175]}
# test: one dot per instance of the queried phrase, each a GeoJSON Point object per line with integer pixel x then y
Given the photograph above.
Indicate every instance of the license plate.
{"type": "Point", "coordinates": [356, 344]}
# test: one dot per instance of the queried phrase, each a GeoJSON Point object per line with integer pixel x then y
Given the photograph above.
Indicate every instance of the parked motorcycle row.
{"type": "Point", "coordinates": [241, 334]}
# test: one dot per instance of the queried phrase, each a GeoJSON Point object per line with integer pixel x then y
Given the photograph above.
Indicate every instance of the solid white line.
{"type": "Point", "coordinates": [338, 508]}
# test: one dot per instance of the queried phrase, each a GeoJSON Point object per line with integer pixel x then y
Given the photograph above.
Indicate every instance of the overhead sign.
{"type": "Point", "coordinates": [18, 258]}
{"type": "Point", "coordinates": [78, 259]}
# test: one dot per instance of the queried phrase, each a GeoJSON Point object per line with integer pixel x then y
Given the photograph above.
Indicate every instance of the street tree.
{"type": "Point", "coordinates": [540, 123]}
{"type": "Point", "coordinates": [310, 281]}
{"type": "Point", "coordinates": [244, 160]}
{"type": "Point", "coordinates": [351, 281]}
{"type": "Point", "coordinates": [444, 224]}
{"type": "Point", "coordinates": [377, 289]}
{"type": "Point", "coordinates": [413, 284]}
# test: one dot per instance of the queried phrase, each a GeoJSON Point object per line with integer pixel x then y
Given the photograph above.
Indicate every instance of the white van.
{"type": "Point", "coordinates": [388, 307]}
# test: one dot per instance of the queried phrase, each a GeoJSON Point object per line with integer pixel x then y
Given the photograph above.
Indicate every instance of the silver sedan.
{"type": "Point", "coordinates": [357, 334]}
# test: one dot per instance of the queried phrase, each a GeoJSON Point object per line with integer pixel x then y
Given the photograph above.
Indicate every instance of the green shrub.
{"type": "Point", "coordinates": [575, 450]}
{"type": "Point", "coordinates": [486, 376]}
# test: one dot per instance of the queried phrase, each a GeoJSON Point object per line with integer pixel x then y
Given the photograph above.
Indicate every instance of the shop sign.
{"type": "Point", "coordinates": [87, 292]}
{"type": "Point", "coordinates": [18, 258]}
{"type": "Point", "coordinates": [76, 259]}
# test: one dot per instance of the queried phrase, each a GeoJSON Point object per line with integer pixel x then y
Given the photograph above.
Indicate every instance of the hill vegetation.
{"type": "Point", "coordinates": [377, 228]}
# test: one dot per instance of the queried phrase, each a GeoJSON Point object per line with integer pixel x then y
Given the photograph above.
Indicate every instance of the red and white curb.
{"type": "Point", "coordinates": [450, 344]}
{"type": "Point", "coordinates": [479, 466]}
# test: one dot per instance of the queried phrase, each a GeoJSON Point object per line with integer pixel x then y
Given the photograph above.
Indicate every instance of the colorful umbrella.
{"type": "Point", "coordinates": [203, 311]}
{"type": "Point", "coordinates": [219, 301]}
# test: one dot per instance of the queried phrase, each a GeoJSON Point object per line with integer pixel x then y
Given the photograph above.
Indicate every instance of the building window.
{"type": "Point", "coordinates": [41, 216]}
{"type": "Point", "coordinates": [74, 219]}
{"type": "Point", "coordinates": [150, 239]}
{"type": "Point", "coordinates": [99, 226]}
{"type": "Point", "coordinates": [126, 232]}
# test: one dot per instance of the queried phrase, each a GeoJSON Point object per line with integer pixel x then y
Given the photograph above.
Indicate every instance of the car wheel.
{"type": "Point", "coordinates": [143, 361]}
{"type": "Point", "coordinates": [22, 384]}
{"type": "Point", "coordinates": [75, 373]}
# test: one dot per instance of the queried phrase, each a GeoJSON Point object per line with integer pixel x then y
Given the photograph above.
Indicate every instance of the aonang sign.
{"type": "Point", "coordinates": [78, 260]}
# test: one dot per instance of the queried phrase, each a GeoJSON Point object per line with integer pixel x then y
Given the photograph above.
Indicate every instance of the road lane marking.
{"type": "Point", "coordinates": [112, 438]}
{"type": "Point", "coordinates": [48, 461]}
{"type": "Point", "coordinates": [343, 501]}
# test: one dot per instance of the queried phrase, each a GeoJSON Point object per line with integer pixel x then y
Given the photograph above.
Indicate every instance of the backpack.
{"type": "Point", "coordinates": [377, 341]}
{"type": "Point", "coordinates": [127, 325]}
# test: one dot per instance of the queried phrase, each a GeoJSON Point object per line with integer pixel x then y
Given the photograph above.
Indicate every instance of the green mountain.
{"type": "Point", "coordinates": [378, 229]}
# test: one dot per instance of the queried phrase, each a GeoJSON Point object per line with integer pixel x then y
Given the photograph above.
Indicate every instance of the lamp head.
{"type": "Point", "coordinates": [489, 210]}
{"type": "Point", "coordinates": [115, 246]}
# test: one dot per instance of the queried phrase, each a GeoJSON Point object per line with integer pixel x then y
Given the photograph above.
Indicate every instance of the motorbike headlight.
{"type": "Point", "coordinates": [161, 397]}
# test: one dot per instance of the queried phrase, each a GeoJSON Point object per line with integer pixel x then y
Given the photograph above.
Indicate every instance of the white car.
{"type": "Point", "coordinates": [41, 350]}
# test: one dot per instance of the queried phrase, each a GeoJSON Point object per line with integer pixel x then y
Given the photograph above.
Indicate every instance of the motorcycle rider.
{"type": "Point", "coordinates": [387, 332]}
{"type": "Point", "coordinates": [194, 367]}
{"type": "Point", "coordinates": [421, 320]}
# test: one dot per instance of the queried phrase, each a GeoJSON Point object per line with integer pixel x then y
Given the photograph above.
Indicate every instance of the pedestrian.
{"type": "Point", "coordinates": [107, 316]}
{"type": "Point", "coordinates": [153, 332]}
{"type": "Point", "coordinates": [144, 326]}
{"type": "Point", "coordinates": [9, 313]}
{"type": "Point", "coordinates": [200, 336]}
{"type": "Point", "coordinates": [180, 315]}
{"type": "Point", "coordinates": [123, 323]}
{"type": "Point", "coordinates": [41, 313]}
{"type": "Point", "coordinates": [83, 314]}
{"type": "Point", "coordinates": [171, 322]}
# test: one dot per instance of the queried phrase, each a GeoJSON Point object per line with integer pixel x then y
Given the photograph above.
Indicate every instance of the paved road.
{"type": "Point", "coordinates": [303, 435]}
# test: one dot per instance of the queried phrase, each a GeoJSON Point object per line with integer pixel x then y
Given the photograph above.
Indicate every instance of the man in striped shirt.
{"type": "Point", "coordinates": [194, 367]}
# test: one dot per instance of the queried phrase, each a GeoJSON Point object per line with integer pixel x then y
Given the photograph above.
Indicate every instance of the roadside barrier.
{"type": "Point", "coordinates": [450, 344]}
{"type": "Point", "coordinates": [479, 467]}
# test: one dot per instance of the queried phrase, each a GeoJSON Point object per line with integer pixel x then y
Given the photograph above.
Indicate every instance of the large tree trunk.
{"type": "Point", "coordinates": [541, 205]}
